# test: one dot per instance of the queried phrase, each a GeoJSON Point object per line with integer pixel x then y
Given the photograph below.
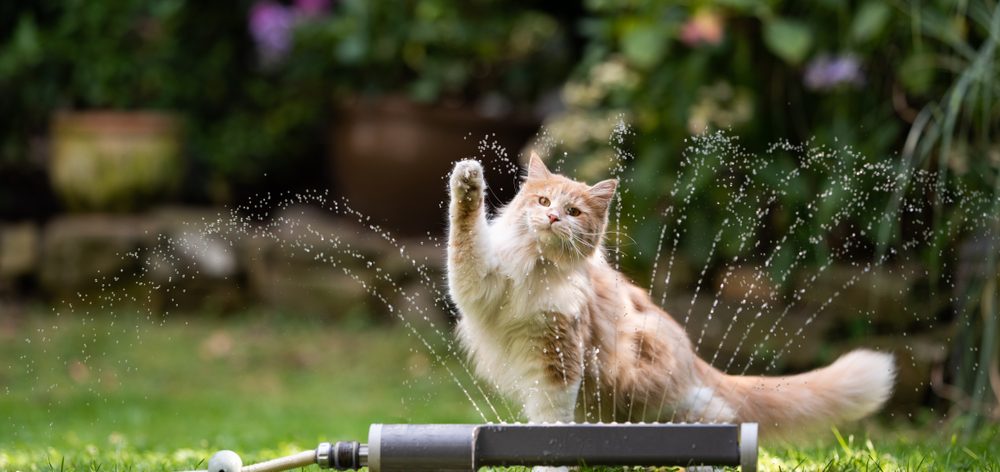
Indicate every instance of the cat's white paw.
{"type": "Point", "coordinates": [467, 180]}
{"type": "Point", "coordinates": [467, 175]}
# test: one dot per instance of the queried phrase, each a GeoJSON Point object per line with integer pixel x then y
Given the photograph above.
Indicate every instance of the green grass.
{"type": "Point", "coordinates": [154, 394]}
{"type": "Point", "coordinates": [120, 393]}
{"type": "Point", "coordinates": [888, 449]}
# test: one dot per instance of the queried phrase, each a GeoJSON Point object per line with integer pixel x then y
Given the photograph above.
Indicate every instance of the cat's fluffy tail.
{"type": "Point", "coordinates": [854, 386]}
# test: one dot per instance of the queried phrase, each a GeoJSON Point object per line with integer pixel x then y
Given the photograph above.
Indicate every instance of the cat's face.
{"type": "Point", "coordinates": [566, 218]}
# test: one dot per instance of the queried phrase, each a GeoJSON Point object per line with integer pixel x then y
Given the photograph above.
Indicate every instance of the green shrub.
{"type": "Point", "coordinates": [248, 117]}
{"type": "Point", "coordinates": [772, 71]}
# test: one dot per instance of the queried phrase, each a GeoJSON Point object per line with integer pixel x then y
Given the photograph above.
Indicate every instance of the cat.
{"type": "Point", "coordinates": [546, 320]}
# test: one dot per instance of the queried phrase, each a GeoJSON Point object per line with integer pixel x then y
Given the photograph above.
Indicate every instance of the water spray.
{"type": "Point", "coordinates": [467, 447]}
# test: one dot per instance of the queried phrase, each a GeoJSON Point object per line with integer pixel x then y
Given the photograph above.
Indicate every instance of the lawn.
{"type": "Point", "coordinates": [127, 393]}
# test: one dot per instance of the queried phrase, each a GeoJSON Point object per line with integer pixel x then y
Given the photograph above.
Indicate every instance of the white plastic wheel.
{"type": "Point", "coordinates": [225, 461]}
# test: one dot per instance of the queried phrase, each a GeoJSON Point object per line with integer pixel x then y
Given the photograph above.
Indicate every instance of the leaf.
{"type": "Point", "coordinates": [788, 39]}
{"type": "Point", "coordinates": [870, 21]}
{"type": "Point", "coordinates": [352, 49]}
{"type": "Point", "coordinates": [744, 6]}
{"type": "Point", "coordinates": [24, 50]}
{"type": "Point", "coordinates": [644, 44]}
{"type": "Point", "coordinates": [917, 73]}
{"type": "Point", "coordinates": [425, 90]}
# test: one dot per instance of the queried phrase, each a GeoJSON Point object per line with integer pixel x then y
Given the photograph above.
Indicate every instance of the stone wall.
{"type": "Point", "coordinates": [300, 262]}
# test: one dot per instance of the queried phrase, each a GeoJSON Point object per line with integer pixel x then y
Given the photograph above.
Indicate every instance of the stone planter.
{"type": "Point", "coordinates": [391, 158]}
{"type": "Point", "coordinates": [114, 160]}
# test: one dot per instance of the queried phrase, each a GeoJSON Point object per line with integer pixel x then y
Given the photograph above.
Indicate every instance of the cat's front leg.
{"type": "Point", "coordinates": [467, 187]}
{"type": "Point", "coordinates": [468, 257]}
{"type": "Point", "coordinates": [551, 403]}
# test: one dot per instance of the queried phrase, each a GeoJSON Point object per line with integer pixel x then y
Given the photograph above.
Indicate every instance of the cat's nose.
{"type": "Point", "coordinates": [553, 218]}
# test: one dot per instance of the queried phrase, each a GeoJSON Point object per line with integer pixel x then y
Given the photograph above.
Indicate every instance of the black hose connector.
{"type": "Point", "coordinates": [342, 455]}
{"type": "Point", "coordinates": [346, 455]}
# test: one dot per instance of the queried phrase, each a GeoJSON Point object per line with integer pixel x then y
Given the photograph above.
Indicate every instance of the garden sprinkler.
{"type": "Point", "coordinates": [467, 447]}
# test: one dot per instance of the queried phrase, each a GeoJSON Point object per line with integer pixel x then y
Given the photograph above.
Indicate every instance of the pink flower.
{"type": "Point", "coordinates": [704, 27]}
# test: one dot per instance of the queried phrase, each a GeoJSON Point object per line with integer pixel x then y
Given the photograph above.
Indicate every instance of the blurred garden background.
{"type": "Point", "coordinates": [221, 222]}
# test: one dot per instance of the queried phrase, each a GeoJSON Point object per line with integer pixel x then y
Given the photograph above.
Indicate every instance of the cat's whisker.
{"type": "Point", "coordinates": [578, 239]}
{"type": "Point", "coordinates": [611, 233]}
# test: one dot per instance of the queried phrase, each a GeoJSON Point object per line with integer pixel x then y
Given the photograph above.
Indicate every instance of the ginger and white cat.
{"type": "Point", "coordinates": [543, 313]}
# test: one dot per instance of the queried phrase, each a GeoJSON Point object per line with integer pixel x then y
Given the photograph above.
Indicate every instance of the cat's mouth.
{"type": "Point", "coordinates": [547, 232]}
{"type": "Point", "coordinates": [550, 235]}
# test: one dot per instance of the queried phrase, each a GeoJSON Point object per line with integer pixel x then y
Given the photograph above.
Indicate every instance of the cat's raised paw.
{"type": "Point", "coordinates": [467, 178]}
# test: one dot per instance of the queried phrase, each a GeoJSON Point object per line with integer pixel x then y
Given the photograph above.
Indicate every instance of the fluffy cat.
{"type": "Point", "coordinates": [543, 314]}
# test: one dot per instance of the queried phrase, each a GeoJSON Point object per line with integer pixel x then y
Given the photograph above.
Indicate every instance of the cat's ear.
{"type": "Point", "coordinates": [602, 193]}
{"type": "Point", "coordinates": [536, 168]}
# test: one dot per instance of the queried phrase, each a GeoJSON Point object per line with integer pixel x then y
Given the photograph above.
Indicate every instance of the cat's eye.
{"type": "Point", "coordinates": [573, 211]}
{"type": "Point", "coordinates": [543, 201]}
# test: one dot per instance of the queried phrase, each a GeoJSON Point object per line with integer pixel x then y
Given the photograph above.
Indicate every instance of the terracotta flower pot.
{"type": "Point", "coordinates": [391, 158]}
{"type": "Point", "coordinates": [114, 160]}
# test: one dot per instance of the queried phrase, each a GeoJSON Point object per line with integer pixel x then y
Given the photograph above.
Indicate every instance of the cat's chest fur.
{"type": "Point", "coordinates": [507, 334]}
{"type": "Point", "coordinates": [522, 285]}
{"type": "Point", "coordinates": [541, 292]}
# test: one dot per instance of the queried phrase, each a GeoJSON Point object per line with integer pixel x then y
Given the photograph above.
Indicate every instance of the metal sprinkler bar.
{"type": "Point", "coordinates": [467, 447]}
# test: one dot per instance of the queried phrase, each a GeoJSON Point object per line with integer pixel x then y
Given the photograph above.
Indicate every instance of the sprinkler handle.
{"type": "Point", "coordinates": [293, 461]}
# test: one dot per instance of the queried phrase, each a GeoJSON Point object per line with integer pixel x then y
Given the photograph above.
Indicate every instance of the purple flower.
{"type": "Point", "coordinates": [826, 72]}
{"type": "Point", "coordinates": [271, 26]}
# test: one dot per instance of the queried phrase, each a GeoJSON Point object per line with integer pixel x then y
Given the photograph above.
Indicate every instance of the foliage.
{"type": "Point", "coordinates": [116, 54]}
{"type": "Point", "coordinates": [953, 135]}
{"type": "Point", "coordinates": [743, 64]}
{"type": "Point", "coordinates": [123, 54]}
{"type": "Point", "coordinates": [119, 53]}
{"type": "Point", "coordinates": [780, 71]}
{"type": "Point", "coordinates": [447, 49]}
{"type": "Point", "coordinates": [438, 50]}
{"type": "Point", "coordinates": [497, 56]}
{"type": "Point", "coordinates": [250, 115]}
